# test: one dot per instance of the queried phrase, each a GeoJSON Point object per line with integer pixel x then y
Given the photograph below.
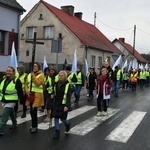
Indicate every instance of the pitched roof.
{"type": "Point", "coordinates": [13, 4]}
{"type": "Point", "coordinates": [130, 49]}
{"type": "Point", "coordinates": [87, 33]}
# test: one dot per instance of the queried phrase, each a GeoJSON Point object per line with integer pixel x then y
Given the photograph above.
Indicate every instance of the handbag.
{"type": "Point", "coordinates": [31, 97]}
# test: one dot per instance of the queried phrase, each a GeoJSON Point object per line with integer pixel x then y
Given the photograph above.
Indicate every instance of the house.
{"type": "Point", "coordinates": [129, 52]}
{"type": "Point", "coordinates": [67, 27]}
{"type": "Point", "coordinates": [10, 12]}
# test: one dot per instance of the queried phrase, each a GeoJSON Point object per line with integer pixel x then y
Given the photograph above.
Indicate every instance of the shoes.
{"type": "Point", "coordinates": [116, 95]}
{"type": "Point", "coordinates": [75, 102]}
{"type": "Point", "coordinates": [33, 130]}
{"type": "Point", "coordinates": [70, 109]}
{"type": "Point", "coordinates": [57, 135]}
{"type": "Point", "coordinates": [13, 127]}
{"type": "Point", "coordinates": [41, 110]}
{"type": "Point", "coordinates": [68, 127]}
{"type": "Point", "coordinates": [98, 114]}
{"type": "Point", "coordinates": [23, 115]}
{"type": "Point", "coordinates": [1, 133]}
{"type": "Point", "coordinates": [105, 113]}
{"type": "Point", "coordinates": [46, 120]}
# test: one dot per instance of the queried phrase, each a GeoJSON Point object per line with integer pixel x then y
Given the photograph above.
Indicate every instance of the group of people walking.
{"type": "Point", "coordinates": [51, 91]}
{"type": "Point", "coordinates": [37, 89]}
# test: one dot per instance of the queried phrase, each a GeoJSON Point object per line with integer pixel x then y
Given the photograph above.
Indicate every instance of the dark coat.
{"type": "Point", "coordinates": [91, 81]}
{"type": "Point", "coordinates": [58, 107]}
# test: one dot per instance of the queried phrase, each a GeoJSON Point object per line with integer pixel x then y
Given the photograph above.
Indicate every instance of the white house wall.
{"type": "Point", "coordinates": [9, 20]}
{"type": "Point", "coordinates": [69, 41]}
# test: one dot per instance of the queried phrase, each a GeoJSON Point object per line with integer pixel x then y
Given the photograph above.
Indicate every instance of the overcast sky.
{"type": "Point", "coordinates": [115, 18]}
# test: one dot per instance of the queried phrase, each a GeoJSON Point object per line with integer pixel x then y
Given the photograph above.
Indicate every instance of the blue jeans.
{"type": "Point", "coordinates": [77, 92]}
{"type": "Point", "coordinates": [56, 121]}
{"type": "Point", "coordinates": [116, 86]}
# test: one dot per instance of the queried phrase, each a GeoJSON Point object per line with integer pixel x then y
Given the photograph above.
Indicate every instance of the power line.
{"type": "Point", "coordinates": [113, 27]}
{"type": "Point", "coordinates": [143, 31]}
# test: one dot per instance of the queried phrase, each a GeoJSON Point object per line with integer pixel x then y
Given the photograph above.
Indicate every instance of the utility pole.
{"type": "Point", "coordinates": [95, 19]}
{"type": "Point", "coordinates": [134, 39]}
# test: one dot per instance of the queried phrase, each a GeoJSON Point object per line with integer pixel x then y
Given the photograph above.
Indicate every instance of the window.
{"type": "Point", "coordinates": [93, 61]}
{"type": "Point", "coordinates": [99, 62]}
{"type": "Point", "coordinates": [2, 41]}
{"type": "Point", "coordinates": [49, 32]}
{"type": "Point", "coordinates": [30, 32]}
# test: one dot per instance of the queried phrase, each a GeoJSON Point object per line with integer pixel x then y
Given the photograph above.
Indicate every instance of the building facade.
{"type": "Point", "coordinates": [66, 28]}
{"type": "Point", "coordinates": [10, 12]}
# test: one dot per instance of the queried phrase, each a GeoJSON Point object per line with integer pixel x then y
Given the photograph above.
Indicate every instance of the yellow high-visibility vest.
{"type": "Point", "coordinates": [10, 92]}
{"type": "Point", "coordinates": [50, 88]}
{"type": "Point", "coordinates": [64, 101]}
{"type": "Point", "coordinates": [79, 78]}
{"type": "Point", "coordinates": [38, 89]}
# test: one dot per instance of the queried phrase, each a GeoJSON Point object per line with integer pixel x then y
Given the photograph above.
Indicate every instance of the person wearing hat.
{"type": "Point", "coordinates": [22, 76]}
{"type": "Point", "coordinates": [72, 79]}
{"type": "Point", "coordinates": [117, 77]}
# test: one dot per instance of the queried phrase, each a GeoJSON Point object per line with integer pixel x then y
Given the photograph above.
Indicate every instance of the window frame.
{"type": "Point", "coordinates": [49, 35]}
{"type": "Point", "coordinates": [3, 41]}
{"type": "Point", "coordinates": [93, 59]}
{"type": "Point", "coordinates": [33, 30]}
{"type": "Point", "coordinates": [99, 62]}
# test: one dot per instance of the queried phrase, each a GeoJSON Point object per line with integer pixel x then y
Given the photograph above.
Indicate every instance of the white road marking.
{"type": "Point", "coordinates": [27, 118]}
{"type": "Point", "coordinates": [124, 131]}
{"type": "Point", "coordinates": [71, 114]}
{"type": "Point", "coordinates": [91, 123]}
{"type": "Point", "coordinates": [140, 98]}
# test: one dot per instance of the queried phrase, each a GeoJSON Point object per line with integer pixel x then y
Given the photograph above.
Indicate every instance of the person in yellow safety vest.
{"type": "Point", "coordinates": [46, 75]}
{"type": "Point", "coordinates": [125, 77]}
{"type": "Point", "coordinates": [117, 77]}
{"type": "Point", "coordinates": [133, 79]}
{"type": "Point", "coordinates": [47, 95]}
{"type": "Point", "coordinates": [22, 76]}
{"type": "Point", "coordinates": [53, 74]}
{"type": "Point", "coordinates": [79, 85]}
{"type": "Point", "coordinates": [142, 77]}
{"type": "Point", "coordinates": [72, 79]}
{"type": "Point", "coordinates": [147, 77]}
{"type": "Point", "coordinates": [10, 92]}
{"type": "Point", "coordinates": [61, 96]}
{"type": "Point", "coordinates": [34, 94]}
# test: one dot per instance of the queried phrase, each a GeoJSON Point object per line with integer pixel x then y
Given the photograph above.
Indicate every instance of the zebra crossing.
{"type": "Point", "coordinates": [121, 133]}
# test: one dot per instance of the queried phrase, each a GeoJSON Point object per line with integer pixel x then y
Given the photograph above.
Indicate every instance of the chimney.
{"type": "Point", "coordinates": [78, 15]}
{"type": "Point", "coordinates": [122, 40]}
{"type": "Point", "coordinates": [69, 9]}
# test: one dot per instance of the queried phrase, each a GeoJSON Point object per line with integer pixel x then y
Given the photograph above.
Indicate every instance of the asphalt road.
{"type": "Point", "coordinates": [127, 127]}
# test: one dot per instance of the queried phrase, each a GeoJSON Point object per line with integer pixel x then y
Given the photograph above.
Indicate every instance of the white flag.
{"type": "Point", "coordinates": [74, 63]}
{"type": "Point", "coordinates": [13, 58]}
{"type": "Point", "coordinates": [86, 67]}
{"type": "Point", "coordinates": [133, 64]}
{"type": "Point", "coordinates": [118, 61]}
{"type": "Point", "coordinates": [125, 65]}
{"type": "Point", "coordinates": [45, 63]}
{"type": "Point", "coordinates": [130, 64]}
{"type": "Point", "coordinates": [146, 66]}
